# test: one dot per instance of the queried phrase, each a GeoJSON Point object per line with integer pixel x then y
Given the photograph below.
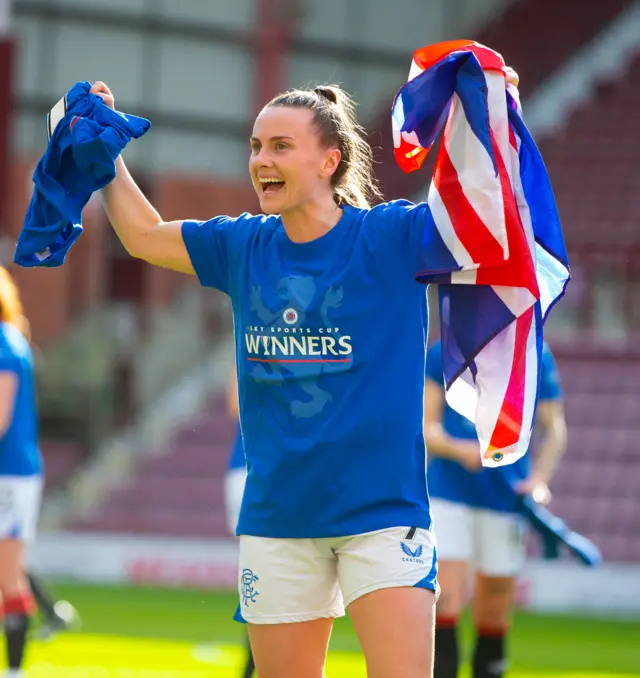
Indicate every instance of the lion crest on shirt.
{"type": "Point", "coordinates": [298, 341]}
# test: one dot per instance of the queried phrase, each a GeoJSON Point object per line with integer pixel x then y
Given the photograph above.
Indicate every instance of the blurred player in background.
{"type": "Point", "coordinates": [234, 484]}
{"type": "Point", "coordinates": [20, 471]}
{"type": "Point", "coordinates": [475, 517]}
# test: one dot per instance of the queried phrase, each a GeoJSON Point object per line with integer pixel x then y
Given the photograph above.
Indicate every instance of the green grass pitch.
{"type": "Point", "coordinates": [144, 632]}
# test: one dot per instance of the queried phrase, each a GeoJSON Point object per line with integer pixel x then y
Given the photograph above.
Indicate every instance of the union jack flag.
{"type": "Point", "coordinates": [495, 247]}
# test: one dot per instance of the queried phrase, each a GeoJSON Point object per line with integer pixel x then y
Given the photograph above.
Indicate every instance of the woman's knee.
{"type": "Point", "coordinates": [452, 578]}
{"type": "Point", "coordinates": [396, 630]}
{"type": "Point", "coordinates": [493, 602]}
{"type": "Point", "coordinates": [12, 578]}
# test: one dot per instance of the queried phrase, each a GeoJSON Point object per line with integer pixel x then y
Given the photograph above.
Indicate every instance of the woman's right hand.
{"type": "Point", "coordinates": [104, 93]}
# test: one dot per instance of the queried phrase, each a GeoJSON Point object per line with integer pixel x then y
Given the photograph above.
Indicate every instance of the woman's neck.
{"type": "Point", "coordinates": [311, 221]}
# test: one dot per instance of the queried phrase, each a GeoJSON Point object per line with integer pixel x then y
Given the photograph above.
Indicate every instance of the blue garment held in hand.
{"type": "Point", "coordinates": [85, 139]}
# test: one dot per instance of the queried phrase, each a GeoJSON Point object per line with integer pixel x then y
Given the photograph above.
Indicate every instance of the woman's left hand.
{"type": "Point", "coordinates": [512, 76]}
{"type": "Point", "coordinates": [536, 487]}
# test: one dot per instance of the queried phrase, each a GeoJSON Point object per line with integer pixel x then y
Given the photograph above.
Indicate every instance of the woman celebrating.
{"type": "Point", "coordinates": [330, 330]}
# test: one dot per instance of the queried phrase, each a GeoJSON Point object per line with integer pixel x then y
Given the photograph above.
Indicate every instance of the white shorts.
{"type": "Point", "coordinates": [234, 483]}
{"type": "Point", "coordinates": [491, 541]}
{"type": "Point", "coordinates": [296, 580]}
{"type": "Point", "coordinates": [19, 506]}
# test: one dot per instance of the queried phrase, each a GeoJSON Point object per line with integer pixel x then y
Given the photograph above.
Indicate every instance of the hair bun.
{"type": "Point", "coordinates": [328, 93]}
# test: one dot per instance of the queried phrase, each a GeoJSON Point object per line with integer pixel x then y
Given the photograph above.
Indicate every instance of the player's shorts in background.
{"type": "Point", "coordinates": [19, 506]}
{"type": "Point", "coordinates": [491, 541]}
{"type": "Point", "coordinates": [295, 580]}
{"type": "Point", "coordinates": [234, 482]}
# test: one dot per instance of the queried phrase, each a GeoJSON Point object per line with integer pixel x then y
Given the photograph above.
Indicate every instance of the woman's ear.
{"type": "Point", "coordinates": [331, 161]}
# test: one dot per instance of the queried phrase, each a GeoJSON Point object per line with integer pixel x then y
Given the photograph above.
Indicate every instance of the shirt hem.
{"type": "Point", "coordinates": [420, 519]}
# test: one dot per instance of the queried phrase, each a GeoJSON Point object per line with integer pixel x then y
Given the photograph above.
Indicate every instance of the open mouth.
{"type": "Point", "coordinates": [271, 185]}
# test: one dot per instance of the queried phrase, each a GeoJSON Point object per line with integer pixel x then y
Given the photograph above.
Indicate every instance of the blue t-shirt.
{"type": "Point", "coordinates": [484, 488]}
{"type": "Point", "coordinates": [19, 450]}
{"type": "Point", "coordinates": [330, 348]}
{"type": "Point", "coordinates": [236, 458]}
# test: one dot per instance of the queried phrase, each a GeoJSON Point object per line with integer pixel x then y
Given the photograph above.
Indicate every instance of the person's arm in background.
{"type": "Point", "coordinates": [551, 418]}
{"type": "Point", "coordinates": [439, 442]}
{"type": "Point", "coordinates": [233, 405]}
{"type": "Point", "coordinates": [8, 391]}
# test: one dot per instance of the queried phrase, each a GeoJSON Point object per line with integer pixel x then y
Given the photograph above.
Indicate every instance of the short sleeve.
{"type": "Point", "coordinates": [414, 226]}
{"type": "Point", "coordinates": [416, 222]}
{"type": "Point", "coordinates": [433, 367]}
{"type": "Point", "coordinates": [550, 386]}
{"type": "Point", "coordinates": [208, 247]}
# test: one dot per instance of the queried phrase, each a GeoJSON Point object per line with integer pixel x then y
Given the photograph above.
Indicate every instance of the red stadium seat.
{"type": "Point", "coordinates": [593, 166]}
{"type": "Point", "coordinates": [179, 491]}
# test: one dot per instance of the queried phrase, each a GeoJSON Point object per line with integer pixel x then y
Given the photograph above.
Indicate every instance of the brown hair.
{"type": "Point", "coordinates": [10, 306]}
{"type": "Point", "coordinates": [334, 115]}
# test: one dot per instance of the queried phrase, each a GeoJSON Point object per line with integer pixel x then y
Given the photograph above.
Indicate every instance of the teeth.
{"type": "Point", "coordinates": [271, 180]}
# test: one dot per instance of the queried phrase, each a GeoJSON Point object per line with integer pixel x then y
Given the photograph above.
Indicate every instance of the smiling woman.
{"type": "Point", "coordinates": [289, 134]}
{"type": "Point", "coordinates": [330, 330]}
{"type": "Point", "coordinates": [326, 507]}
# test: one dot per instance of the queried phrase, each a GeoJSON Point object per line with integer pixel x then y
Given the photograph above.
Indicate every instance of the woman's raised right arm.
{"type": "Point", "coordinates": [135, 220]}
{"type": "Point", "coordinates": [139, 226]}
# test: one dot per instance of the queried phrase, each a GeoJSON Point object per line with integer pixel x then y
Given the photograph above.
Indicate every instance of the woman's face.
{"type": "Point", "coordinates": [288, 165]}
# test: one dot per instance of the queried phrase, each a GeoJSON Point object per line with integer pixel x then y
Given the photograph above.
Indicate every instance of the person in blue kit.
{"type": "Point", "coordinates": [234, 482]}
{"type": "Point", "coordinates": [330, 329]}
{"type": "Point", "coordinates": [20, 472]}
{"type": "Point", "coordinates": [475, 516]}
